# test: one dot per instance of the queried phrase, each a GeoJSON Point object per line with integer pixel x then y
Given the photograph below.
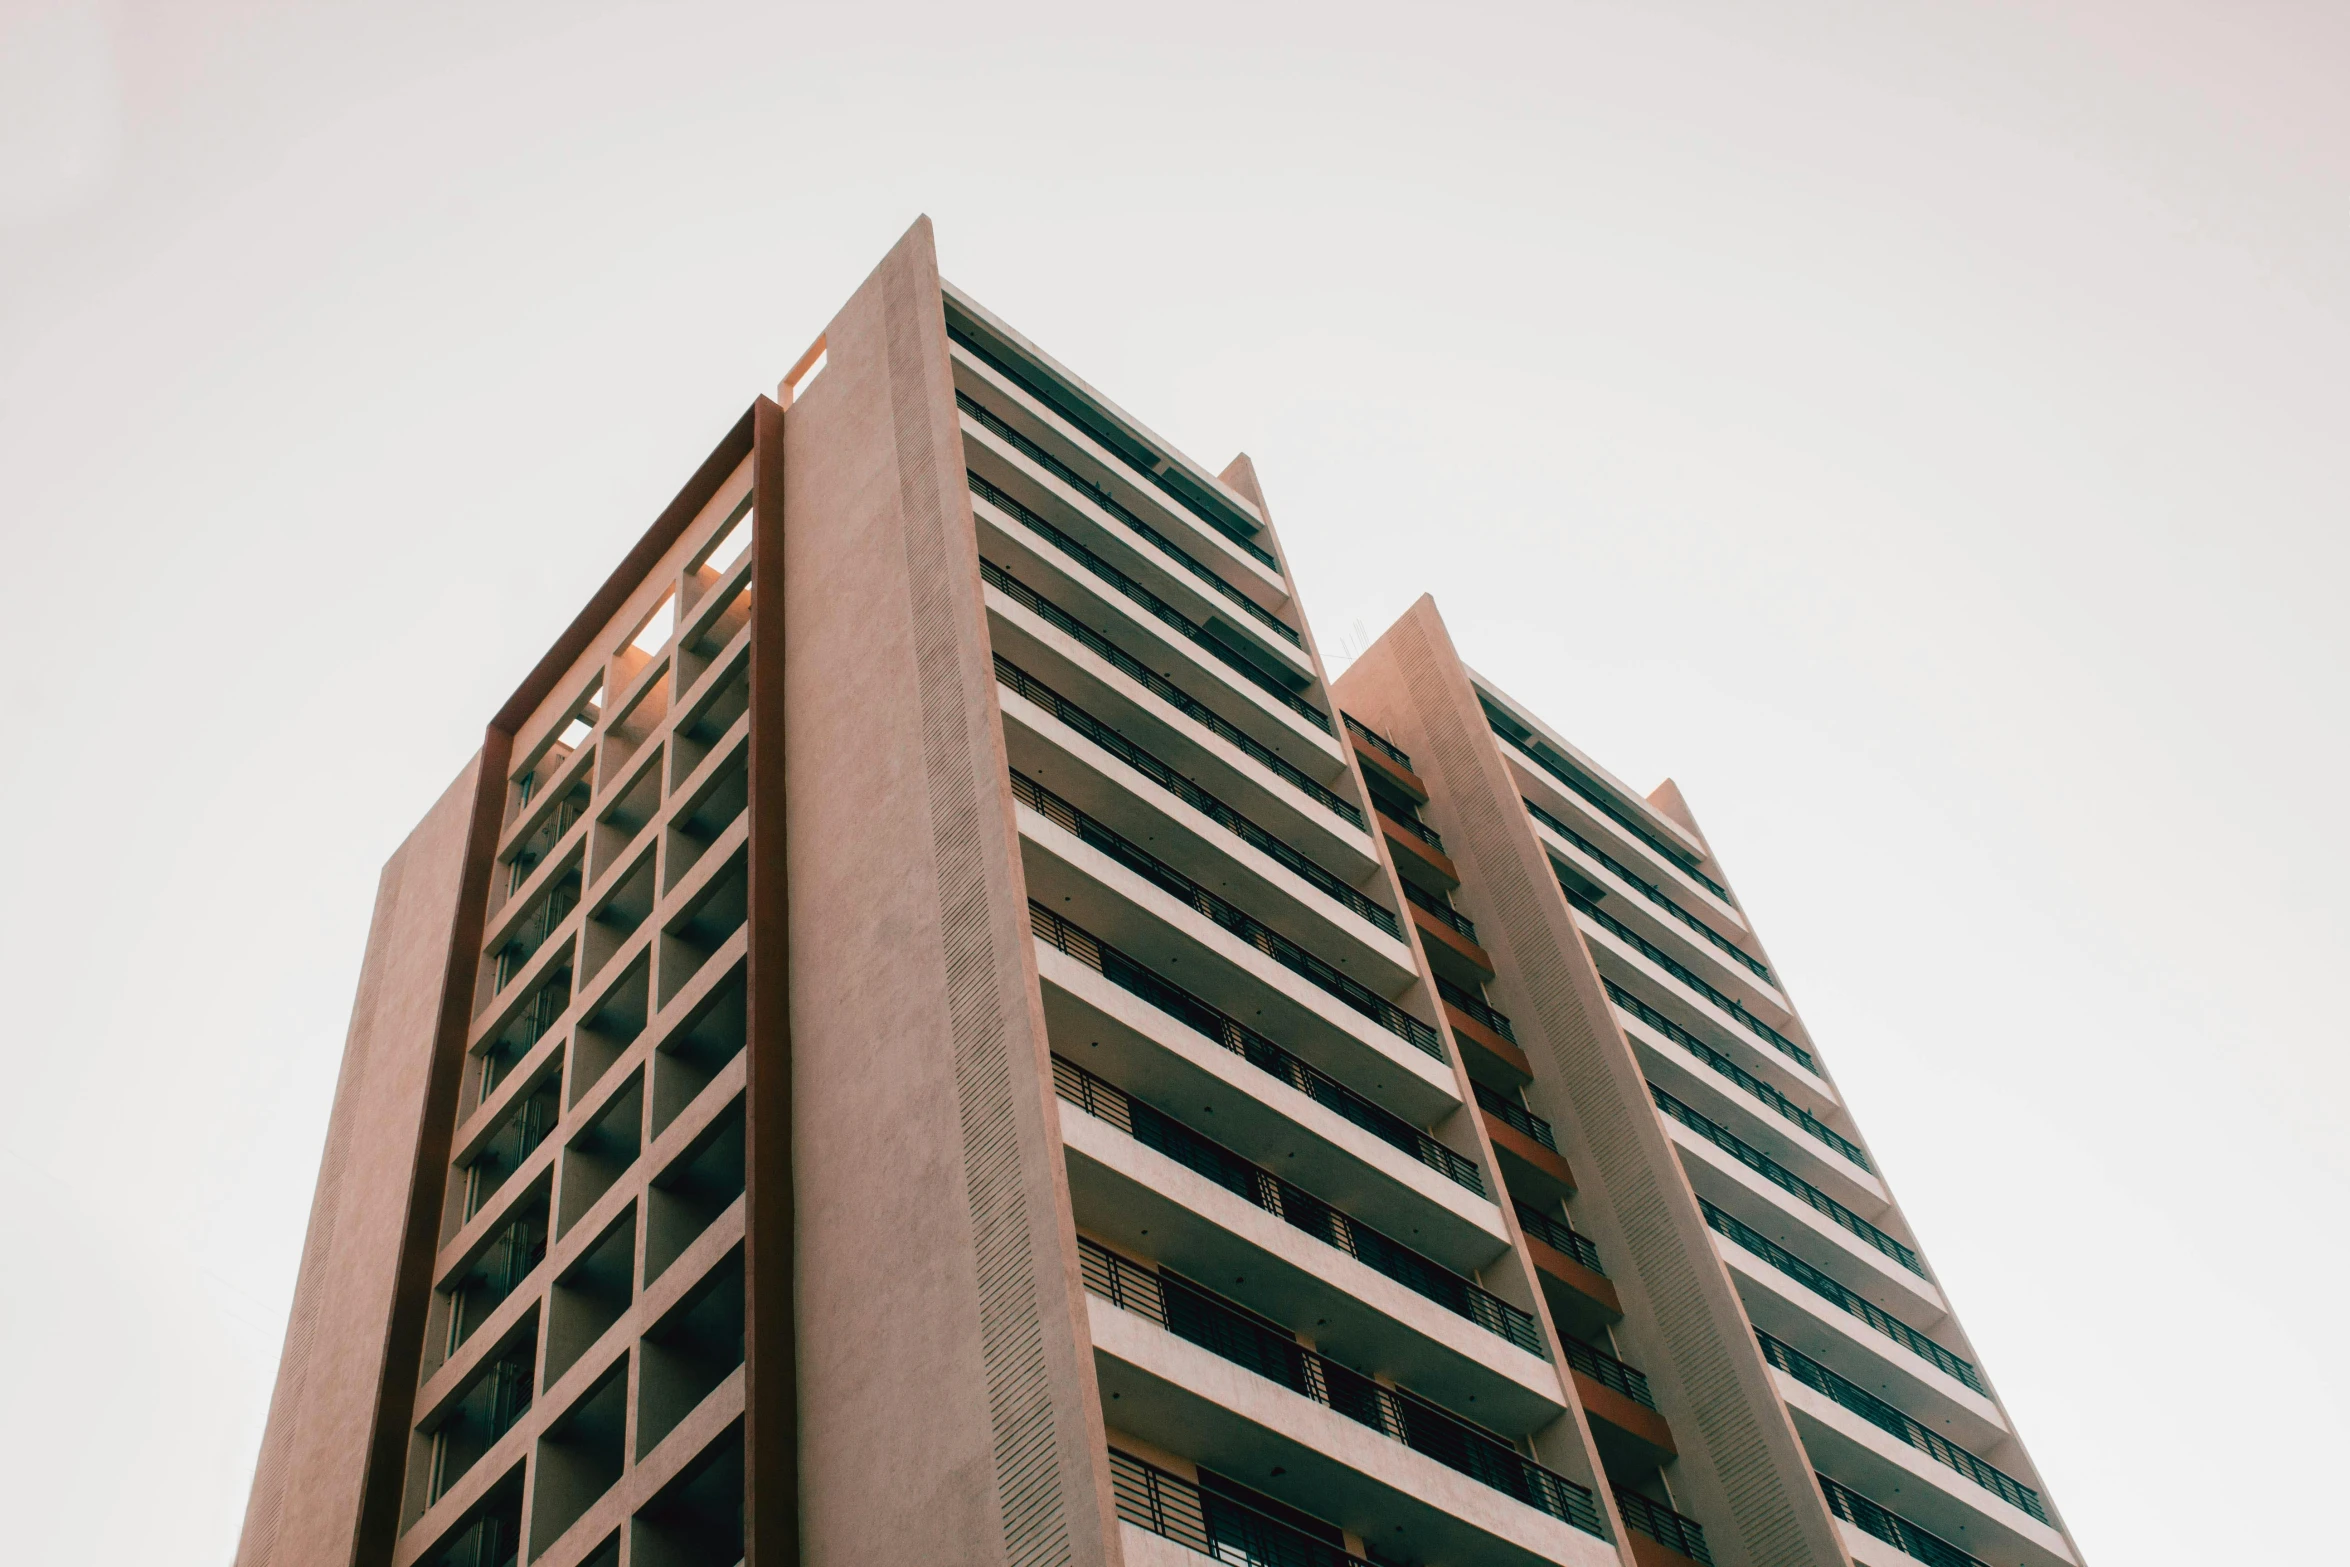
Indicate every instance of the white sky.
{"type": "Point", "coordinates": [1917, 429]}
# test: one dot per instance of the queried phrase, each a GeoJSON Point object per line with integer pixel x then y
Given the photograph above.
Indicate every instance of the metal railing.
{"type": "Point", "coordinates": [1606, 1370]}
{"type": "Point", "coordinates": [1686, 1536]}
{"type": "Point", "coordinates": [1251, 1046]}
{"type": "Point", "coordinates": [1722, 1064]}
{"type": "Point", "coordinates": [1471, 1006]}
{"type": "Point", "coordinates": [1159, 686]}
{"type": "Point", "coordinates": [1558, 1235]}
{"type": "Point", "coordinates": [1411, 827]}
{"type": "Point", "coordinates": [1513, 1114]}
{"type": "Point", "coordinates": [1272, 1352]}
{"type": "Point", "coordinates": [1151, 604]}
{"type": "Point", "coordinates": [544, 838]}
{"type": "Point", "coordinates": [1889, 1526]}
{"type": "Point", "coordinates": [1017, 679]}
{"type": "Point", "coordinates": [1836, 1294]}
{"type": "Point", "coordinates": [1894, 1422]}
{"type": "Point", "coordinates": [1687, 976]}
{"type": "Point", "coordinates": [520, 1247]}
{"type": "Point", "coordinates": [1649, 890]}
{"type": "Point", "coordinates": [1442, 912]}
{"type": "Point", "coordinates": [1348, 992]}
{"type": "Point", "coordinates": [1215, 1526]}
{"type": "Point", "coordinates": [1597, 798]}
{"type": "Point", "coordinates": [1108, 442]}
{"type": "Point", "coordinates": [1294, 1206]}
{"type": "Point", "coordinates": [546, 915]}
{"type": "Point", "coordinates": [1101, 496]}
{"type": "Point", "coordinates": [1378, 742]}
{"type": "Point", "coordinates": [1787, 1180]}
{"type": "Point", "coordinates": [530, 1025]}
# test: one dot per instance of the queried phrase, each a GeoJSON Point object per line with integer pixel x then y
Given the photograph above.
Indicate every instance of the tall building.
{"type": "Point", "coordinates": [927, 1034]}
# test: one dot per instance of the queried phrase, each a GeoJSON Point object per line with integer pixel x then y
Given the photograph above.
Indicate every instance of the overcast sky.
{"type": "Point", "coordinates": [1916, 429]}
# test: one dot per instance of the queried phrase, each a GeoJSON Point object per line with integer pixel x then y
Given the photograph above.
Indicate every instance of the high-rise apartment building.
{"type": "Point", "coordinates": [928, 1033]}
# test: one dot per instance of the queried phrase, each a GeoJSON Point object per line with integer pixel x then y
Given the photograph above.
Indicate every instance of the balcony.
{"type": "Point", "coordinates": [1348, 992]}
{"type": "Point", "coordinates": [1654, 894]}
{"type": "Point", "coordinates": [1789, 1182]}
{"type": "Point", "coordinates": [1595, 797]}
{"type": "Point", "coordinates": [1657, 955]}
{"type": "Point", "coordinates": [1626, 1426]}
{"type": "Point", "coordinates": [1213, 510]}
{"type": "Point", "coordinates": [1683, 1537]}
{"type": "Point", "coordinates": [1382, 759]}
{"type": "Point", "coordinates": [1566, 1263]}
{"type": "Point", "coordinates": [1722, 1066]}
{"type": "Point", "coordinates": [1418, 847]}
{"type": "Point", "coordinates": [1252, 1047]}
{"type": "Point", "coordinates": [1894, 1422]}
{"type": "Point", "coordinates": [1522, 1140]}
{"type": "Point", "coordinates": [1884, 1524]}
{"type": "Point", "coordinates": [1017, 680]}
{"type": "Point", "coordinates": [541, 920]}
{"type": "Point", "coordinates": [1165, 691]}
{"type": "Point", "coordinates": [1297, 1208]}
{"type": "Point", "coordinates": [1850, 1301]}
{"type": "Point", "coordinates": [1102, 574]}
{"type": "Point", "coordinates": [1101, 496]}
{"type": "Point", "coordinates": [1447, 935]}
{"type": "Point", "coordinates": [1496, 1055]}
{"type": "Point", "coordinates": [1272, 1352]}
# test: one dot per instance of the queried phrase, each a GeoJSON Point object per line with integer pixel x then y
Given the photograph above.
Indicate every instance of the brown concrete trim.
{"type": "Point", "coordinates": [1593, 1287]}
{"type": "Point", "coordinates": [1509, 1141]}
{"type": "Point", "coordinates": [1650, 1553]}
{"type": "Point", "coordinates": [1460, 946]}
{"type": "Point", "coordinates": [1387, 768]}
{"type": "Point", "coordinates": [625, 579]}
{"type": "Point", "coordinates": [771, 1486]}
{"type": "Point", "coordinates": [1408, 843]}
{"type": "Point", "coordinates": [1637, 1421]}
{"type": "Point", "coordinates": [1505, 1055]}
{"type": "Point", "coordinates": [377, 1530]}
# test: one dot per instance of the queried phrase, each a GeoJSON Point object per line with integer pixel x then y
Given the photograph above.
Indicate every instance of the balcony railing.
{"type": "Point", "coordinates": [530, 1025]}
{"type": "Point", "coordinates": [1350, 993]}
{"type": "Point", "coordinates": [1885, 1417]}
{"type": "Point", "coordinates": [1513, 1114]}
{"type": "Point", "coordinates": [1377, 742]}
{"type": "Point", "coordinates": [1151, 604]}
{"type": "Point", "coordinates": [1443, 913]}
{"type": "Point", "coordinates": [545, 917]}
{"type": "Point", "coordinates": [1559, 1236]}
{"type": "Point", "coordinates": [1111, 443]}
{"type": "Point", "coordinates": [1191, 794]}
{"type": "Point", "coordinates": [1828, 1289]}
{"type": "Point", "coordinates": [1159, 686]}
{"type": "Point", "coordinates": [1892, 1528]}
{"type": "Point", "coordinates": [1649, 890]}
{"type": "Point", "coordinates": [1687, 976]}
{"type": "Point", "coordinates": [1101, 497]}
{"type": "Point", "coordinates": [1215, 1526]}
{"type": "Point", "coordinates": [1660, 1523]}
{"type": "Point", "coordinates": [1609, 1372]}
{"type": "Point", "coordinates": [1730, 1069]}
{"type": "Point", "coordinates": [546, 835]}
{"type": "Point", "coordinates": [1272, 1352]}
{"type": "Point", "coordinates": [1294, 1206]}
{"type": "Point", "coordinates": [1787, 1180]}
{"type": "Point", "coordinates": [1251, 1046]}
{"type": "Point", "coordinates": [1411, 826]}
{"type": "Point", "coordinates": [1472, 1006]}
{"type": "Point", "coordinates": [1597, 798]}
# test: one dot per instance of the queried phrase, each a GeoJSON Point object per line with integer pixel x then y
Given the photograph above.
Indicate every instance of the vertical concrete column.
{"type": "Point", "coordinates": [327, 1485]}
{"type": "Point", "coordinates": [947, 1407]}
{"type": "Point", "coordinates": [1742, 1469]}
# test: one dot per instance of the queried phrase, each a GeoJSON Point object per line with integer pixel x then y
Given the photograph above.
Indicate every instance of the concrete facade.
{"type": "Point", "coordinates": [928, 1033]}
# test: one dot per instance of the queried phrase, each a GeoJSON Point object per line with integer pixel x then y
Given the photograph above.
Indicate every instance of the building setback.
{"type": "Point", "coordinates": [932, 1031]}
